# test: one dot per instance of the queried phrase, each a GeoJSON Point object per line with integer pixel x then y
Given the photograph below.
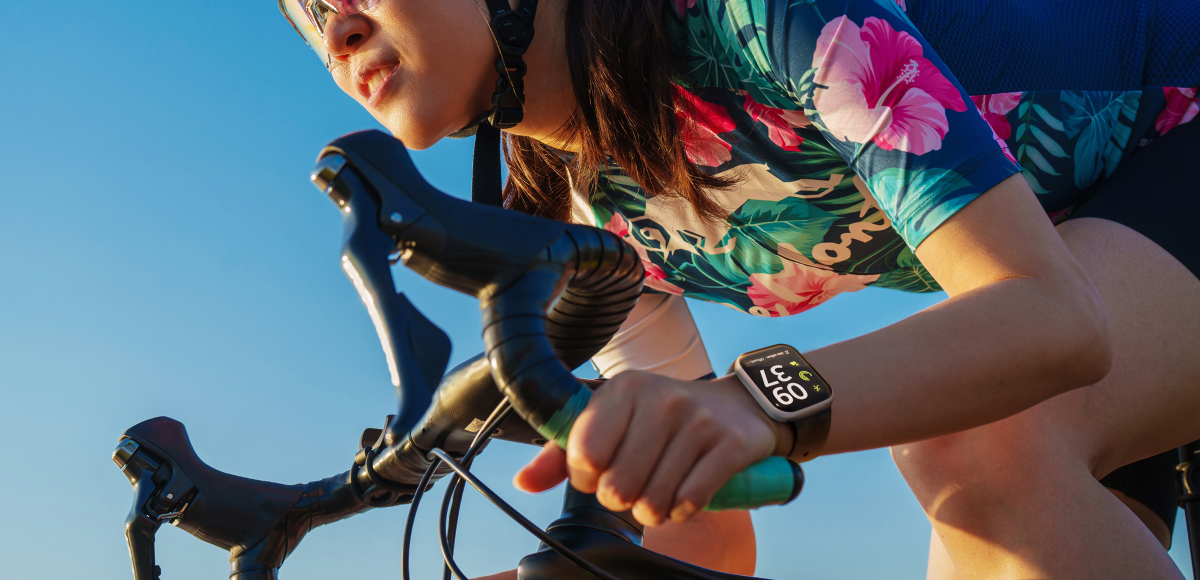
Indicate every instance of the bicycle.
{"type": "Point", "coordinates": [552, 295]}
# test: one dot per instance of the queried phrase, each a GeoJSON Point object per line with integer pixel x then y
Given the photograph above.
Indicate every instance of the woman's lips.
{"type": "Point", "coordinates": [379, 82]}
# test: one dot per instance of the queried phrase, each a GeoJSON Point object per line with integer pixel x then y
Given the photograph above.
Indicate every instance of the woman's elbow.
{"type": "Point", "coordinates": [1087, 347]}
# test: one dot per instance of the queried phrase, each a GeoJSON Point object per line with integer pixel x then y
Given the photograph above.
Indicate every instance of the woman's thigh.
{"type": "Point", "coordinates": [1022, 492]}
{"type": "Point", "coordinates": [1039, 468]}
{"type": "Point", "coordinates": [1149, 402]}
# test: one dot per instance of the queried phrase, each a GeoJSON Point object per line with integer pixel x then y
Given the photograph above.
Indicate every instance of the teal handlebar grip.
{"type": "Point", "coordinates": [772, 481]}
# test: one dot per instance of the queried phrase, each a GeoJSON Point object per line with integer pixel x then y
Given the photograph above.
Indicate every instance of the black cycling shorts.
{"type": "Point", "coordinates": [1156, 192]}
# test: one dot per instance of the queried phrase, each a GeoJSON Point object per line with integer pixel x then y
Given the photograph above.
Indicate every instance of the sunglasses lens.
{"type": "Point", "coordinates": [352, 6]}
{"type": "Point", "coordinates": [309, 17]}
{"type": "Point", "coordinates": [305, 20]}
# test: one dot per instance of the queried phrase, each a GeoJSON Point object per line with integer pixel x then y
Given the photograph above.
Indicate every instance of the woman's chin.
{"type": "Point", "coordinates": [417, 136]}
{"type": "Point", "coordinates": [417, 144]}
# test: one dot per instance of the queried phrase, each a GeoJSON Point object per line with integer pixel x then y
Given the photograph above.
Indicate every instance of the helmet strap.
{"type": "Point", "coordinates": [486, 187]}
{"type": "Point", "coordinates": [513, 31]}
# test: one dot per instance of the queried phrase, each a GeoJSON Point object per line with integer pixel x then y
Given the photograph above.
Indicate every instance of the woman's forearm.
{"type": "Point", "coordinates": [978, 357]}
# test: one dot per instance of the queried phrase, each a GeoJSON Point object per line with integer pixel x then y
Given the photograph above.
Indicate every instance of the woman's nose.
{"type": "Point", "coordinates": [345, 34]}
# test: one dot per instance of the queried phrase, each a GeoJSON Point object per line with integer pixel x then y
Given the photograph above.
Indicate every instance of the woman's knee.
{"type": "Point", "coordinates": [997, 463]}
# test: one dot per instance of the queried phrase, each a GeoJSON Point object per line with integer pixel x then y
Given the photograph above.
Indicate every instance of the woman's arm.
{"type": "Point", "coordinates": [1023, 324]}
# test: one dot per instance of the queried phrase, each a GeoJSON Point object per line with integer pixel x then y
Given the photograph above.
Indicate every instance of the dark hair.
{"type": "Point", "coordinates": [623, 72]}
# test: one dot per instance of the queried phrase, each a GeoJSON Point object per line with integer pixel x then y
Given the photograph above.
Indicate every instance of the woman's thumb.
{"type": "Point", "coordinates": [546, 470]}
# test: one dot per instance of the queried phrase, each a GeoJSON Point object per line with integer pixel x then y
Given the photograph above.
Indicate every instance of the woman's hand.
{"type": "Point", "coordinates": [659, 446]}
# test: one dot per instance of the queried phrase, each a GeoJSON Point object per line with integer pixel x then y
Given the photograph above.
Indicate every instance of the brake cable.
{"type": "Point", "coordinates": [461, 475]}
{"type": "Point", "coordinates": [490, 426]}
{"type": "Point", "coordinates": [511, 512]}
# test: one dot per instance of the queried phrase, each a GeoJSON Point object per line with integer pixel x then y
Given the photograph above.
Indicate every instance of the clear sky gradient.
{"type": "Point", "coordinates": [162, 253]}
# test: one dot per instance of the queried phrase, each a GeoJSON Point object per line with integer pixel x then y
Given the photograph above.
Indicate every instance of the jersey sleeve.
{"type": "Point", "coordinates": [876, 90]}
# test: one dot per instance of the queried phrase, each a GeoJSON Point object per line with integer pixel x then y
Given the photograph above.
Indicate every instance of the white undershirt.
{"type": "Point", "coordinates": [658, 337]}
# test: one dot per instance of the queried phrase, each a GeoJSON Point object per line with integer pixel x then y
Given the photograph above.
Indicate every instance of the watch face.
{"type": "Point", "coordinates": [784, 379]}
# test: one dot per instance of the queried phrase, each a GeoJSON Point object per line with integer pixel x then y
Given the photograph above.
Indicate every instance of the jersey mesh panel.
{"type": "Point", "coordinates": [1136, 43]}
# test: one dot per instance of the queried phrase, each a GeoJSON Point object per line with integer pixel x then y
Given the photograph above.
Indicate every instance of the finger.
{"type": "Point", "coordinates": [693, 439]}
{"type": "Point", "coordinates": [713, 470]}
{"type": "Point", "coordinates": [546, 470]}
{"type": "Point", "coordinates": [655, 420]}
{"type": "Point", "coordinates": [597, 433]}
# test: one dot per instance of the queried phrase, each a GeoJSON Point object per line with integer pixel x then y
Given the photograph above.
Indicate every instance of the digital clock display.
{"type": "Point", "coordinates": [784, 378]}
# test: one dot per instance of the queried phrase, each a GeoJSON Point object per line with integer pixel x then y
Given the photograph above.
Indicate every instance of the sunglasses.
{"type": "Point", "coordinates": [309, 18]}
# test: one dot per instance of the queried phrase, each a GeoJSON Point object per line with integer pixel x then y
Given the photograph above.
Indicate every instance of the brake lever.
{"type": "Point", "coordinates": [417, 350]}
{"type": "Point", "coordinates": [472, 248]}
{"type": "Point", "coordinates": [150, 477]}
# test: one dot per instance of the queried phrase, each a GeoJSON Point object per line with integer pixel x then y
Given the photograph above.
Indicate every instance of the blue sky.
{"type": "Point", "coordinates": [162, 253]}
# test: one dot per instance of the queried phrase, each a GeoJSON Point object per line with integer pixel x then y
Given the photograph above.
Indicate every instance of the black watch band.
{"type": "Point", "coordinates": [811, 434]}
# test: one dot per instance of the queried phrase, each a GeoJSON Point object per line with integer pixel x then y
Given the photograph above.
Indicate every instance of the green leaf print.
{"type": "Point", "coordinates": [1031, 178]}
{"type": "Point", "coordinates": [623, 191]}
{"type": "Point", "coordinates": [799, 91]}
{"type": "Point", "coordinates": [793, 222]}
{"type": "Point", "coordinates": [726, 47]}
{"type": "Point", "coordinates": [1103, 122]}
{"type": "Point", "coordinates": [734, 268]}
{"type": "Point", "coordinates": [1032, 154]}
{"type": "Point", "coordinates": [706, 63]}
{"type": "Point", "coordinates": [909, 276]}
{"type": "Point", "coordinates": [1050, 120]}
{"type": "Point", "coordinates": [911, 197]}
{"type": "Point", "coordinates": [743, 22]}
{"type": "Point", "coordinates": [1035, 143]}
{"type": "Point", "coordinates": [1047, 142]}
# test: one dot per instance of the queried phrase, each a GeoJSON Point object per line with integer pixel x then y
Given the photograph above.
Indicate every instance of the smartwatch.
{"type": "Point", "coordinates": [790, 391]}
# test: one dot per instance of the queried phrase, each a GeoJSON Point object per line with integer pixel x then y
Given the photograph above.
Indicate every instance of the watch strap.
{"type": "Point", "coordinates": [811, 434]}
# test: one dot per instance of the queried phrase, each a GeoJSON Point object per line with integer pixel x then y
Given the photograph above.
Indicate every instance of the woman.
{"type": "Point", "coordinates": [768, 154]}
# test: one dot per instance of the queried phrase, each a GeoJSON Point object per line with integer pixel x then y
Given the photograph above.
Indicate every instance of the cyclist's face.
{"type": "Point", "coordinates": [423, 68]}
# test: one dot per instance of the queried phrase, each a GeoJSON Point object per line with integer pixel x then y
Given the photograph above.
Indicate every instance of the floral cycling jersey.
{"type": "Point", "coordinates": [852, 141]}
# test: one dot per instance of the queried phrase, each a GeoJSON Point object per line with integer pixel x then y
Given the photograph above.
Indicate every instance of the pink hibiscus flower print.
{"type": "Point", "coordinates": [900, 3]}
{"type": "Point", "coordinates": [993, 109]}
{"type": "Point", "coordinates": [799, 287]}
{"type": "Point", "coordinates": [881, 88]}
{"type": "Point", "coordinates": [682, 6]}
{"type": "Point", "coordinates": [1182, 106]}
{"type": "Point", "coordinates": [699, 123]}
{"type": "Point", "coordinates": [656, 277]}
{"type": "Point", "coordinates": [781, 123]}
